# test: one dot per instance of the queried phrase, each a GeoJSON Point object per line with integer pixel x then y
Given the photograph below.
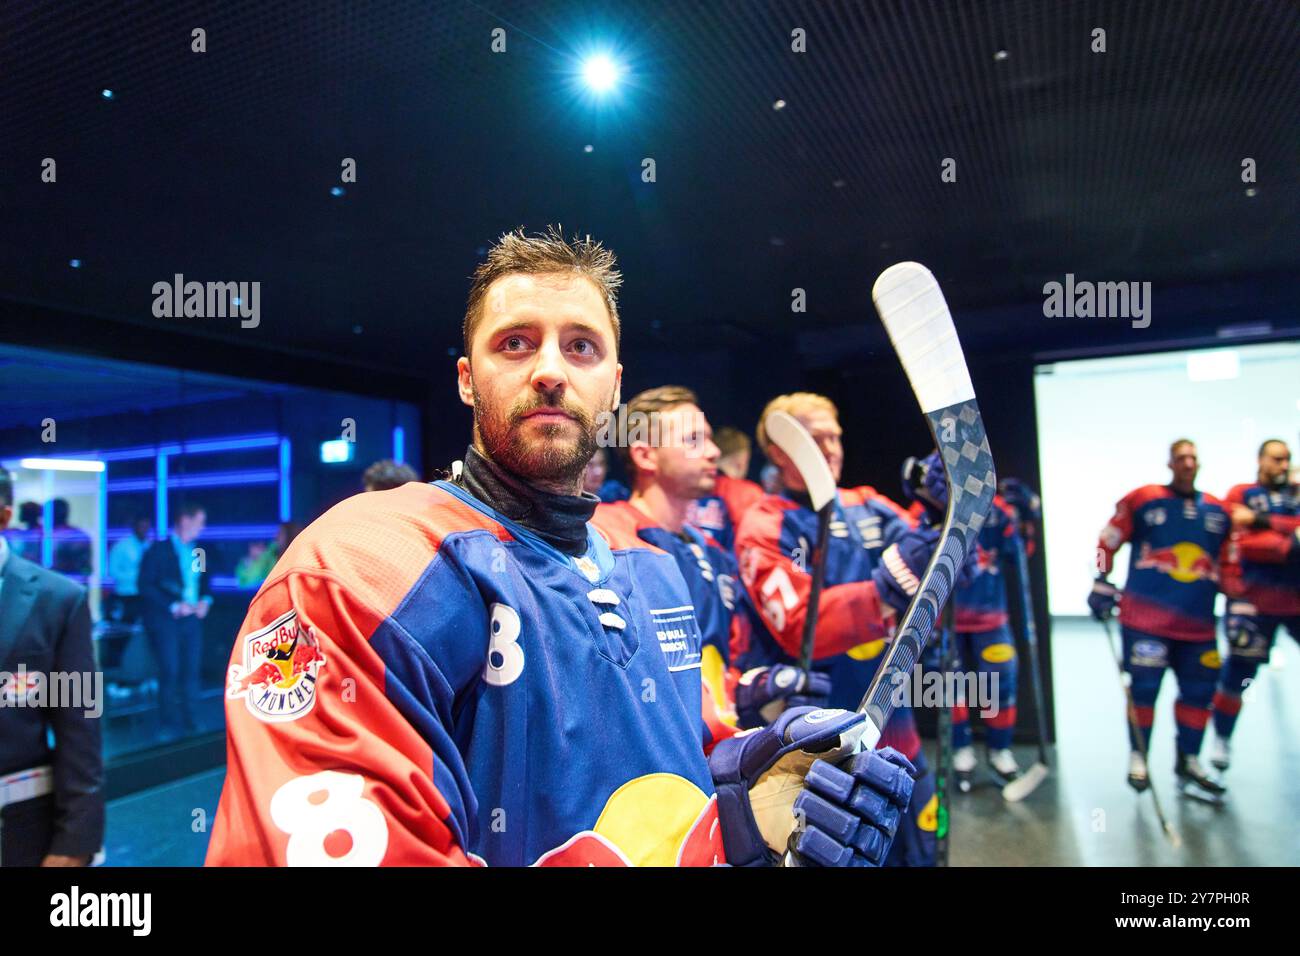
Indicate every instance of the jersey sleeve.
{"type": "Point", "coordinates": [1117, 531]}
{"type": "Point", "coordinates": [847, 614]}
{"type": "Point", "coordinates": [1271, 545]}
{"type": "Point", "coordinates": [345, 756]}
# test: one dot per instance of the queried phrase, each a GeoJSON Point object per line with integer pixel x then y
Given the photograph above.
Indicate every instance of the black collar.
{"type": "Point", "coordinates": [559, 520]}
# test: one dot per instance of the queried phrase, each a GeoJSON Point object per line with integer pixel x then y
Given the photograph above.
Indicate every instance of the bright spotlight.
{"type": "Point", "coordinates": [600, 72]}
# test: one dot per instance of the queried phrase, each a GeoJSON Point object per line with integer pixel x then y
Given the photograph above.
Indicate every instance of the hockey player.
{"type": "Point", "coordinates": [873, 551]}
{"type": "Point", "coordinates": [984, 643]}
{"type": "Point", "coordinates": [469, 672]}
{"type": "Point", "coordinates": [1166, 616]}
{"type": "Point", "coordinates": [719, 512]}
{"type": "Point", "coordinates": [1261, 581]}
{"type": "Point", "coordinates": [669, 476]}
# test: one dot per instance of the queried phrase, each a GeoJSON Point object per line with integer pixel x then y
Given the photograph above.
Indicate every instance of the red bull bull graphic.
{"type": "Point", "coordinates": [659, 819]}
{"type": "Point", "coordinates": [1184, 562]}
{"type": "Point", "coordinates": [277, 678]}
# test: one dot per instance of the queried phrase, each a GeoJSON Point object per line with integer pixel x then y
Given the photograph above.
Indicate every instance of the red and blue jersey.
{"type": "Point", "coordinates": [422, 681]}
{"type": "Point", "coordinates": [775, 542]}
{"type": "Point", "coordinates": [1260, 569]}
{"type": "Point", "coordinates": [722, 606]}
{"type": "Point", "coordinates": [1177, 542]}
{"type": "Point", "coordinates": [981, 605]}
{"type": "Point", "coordinates": [718, 515]}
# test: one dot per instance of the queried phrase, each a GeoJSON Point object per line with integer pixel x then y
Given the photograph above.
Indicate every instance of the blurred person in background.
{"type": "Point", "coordinates": [386, 473]}
{"type": "Point", "coordinates": [51, 765]}
{"type": "Point", "coordinates": [124, 571]}
{"type": "Point", "coordinates": [256, 566]}
{"type": "Point", "coordinates": [175, 599]}
{"type": "Point", "coordinates": [72, 546]}
{"type": "Point", "coordinates": [596, 480]}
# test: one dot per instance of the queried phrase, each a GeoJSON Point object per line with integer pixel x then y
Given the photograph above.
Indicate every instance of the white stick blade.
{"type": "Point", "coordinates": [1025, 784]}
{"type": "Point", "coordinates": [789, 435]}
{"type": "Point", "coordinates": [916, 316]}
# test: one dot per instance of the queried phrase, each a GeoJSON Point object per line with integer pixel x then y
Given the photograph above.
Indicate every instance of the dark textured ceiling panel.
{"type": "Point", "coordinates": [1122, 165]}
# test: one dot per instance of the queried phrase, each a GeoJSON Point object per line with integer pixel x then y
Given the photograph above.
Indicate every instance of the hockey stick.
{"type": "Point", "coordinates": [1029, 781]}
{"type": "Point", "coordinates": [915, 315]}
{"type": "Point", "coordinates": [1125, 681]}
{"type": "Point", "coordinates": [788, 434]}
{"type": "Point", "coordinates": [943, 755]}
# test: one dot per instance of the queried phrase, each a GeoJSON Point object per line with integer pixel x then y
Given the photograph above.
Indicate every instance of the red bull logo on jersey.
{"type": "Point", "coordinates": [1184, 562]}
{"type": "Point", "coordinates": [277, 679]}
{"type": "Point", "coordinates": [659, 819]}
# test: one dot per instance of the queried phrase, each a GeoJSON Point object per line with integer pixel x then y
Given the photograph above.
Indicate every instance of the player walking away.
{"type": "Point", "coordinates": [480, 676]}
{"type": "Point", "coordinates": [1261, 581]}
{"type": "Point", "coordinates": [668, 477]}
{"type": "Point", "coordinates": [1166, 617]}
{"type": "Point", "coordinates": [873, 562]}
{"type": "Point", "coordinates": [719, 512]}
{"type": "Point", "coordinates": [985, 644]}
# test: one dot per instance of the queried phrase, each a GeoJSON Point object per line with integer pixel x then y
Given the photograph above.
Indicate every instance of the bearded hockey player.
{"type": "Point", "coordinates": [985, 646]}
{"type": "Point", "coordinates": [467, 672]}
{"type": "Point", "coordinates": [669, 475]}
{"type": "Point", "coordinates": [874, 561]}
{"type": "Point", "coordinates": [1166, 616]}
{"type": "Point", "coordinates": [1261, 581]}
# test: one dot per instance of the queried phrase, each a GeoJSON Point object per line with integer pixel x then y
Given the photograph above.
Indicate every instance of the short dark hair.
{"type": "Point", "coordinates": [731, 440]}
{"type": "Point", "coordinates": [188, 510]}
{"type": "Point", "coordinates": [651, 402]}
{"type": "Point", "coordinates": [61, 509]}
{"type": "Point", "coordinates": [1173, 447]}
{"type": "Point", "coordinates": [386, 473]}
{"type": "Point", "coordinates": [1270, 441]}
{"type": "Point", "coordinates": [6, 489]}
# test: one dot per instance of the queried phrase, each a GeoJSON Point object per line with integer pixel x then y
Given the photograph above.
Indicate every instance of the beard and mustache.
{"type": "Point", "coordinates": [547, 459]}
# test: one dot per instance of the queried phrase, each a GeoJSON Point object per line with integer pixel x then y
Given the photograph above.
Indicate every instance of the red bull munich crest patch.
{"type": "Point", "coordinates": [278, 677]}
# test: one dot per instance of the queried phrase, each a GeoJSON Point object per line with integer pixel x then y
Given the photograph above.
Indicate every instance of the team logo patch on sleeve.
{"type": "Point", "coordinates": [277, 679]}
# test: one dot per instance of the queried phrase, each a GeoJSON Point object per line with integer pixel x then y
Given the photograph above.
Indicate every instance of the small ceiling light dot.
{"type": "Point", "coordinates": [600, 73]}
{"type": "Point", "coordinates": [779, 105]}
{"type": "Point", "coordinates": [75, 263]}
{"type": "Point", "coordinates": [238, 301]}
{"type": "Point", "coordinates": [356, 330]}
{"type": "Point", "coordinates": [838, 184]}
{"type": "Point", "coordinates": [1252, 191]}
{"type": "Point", "coordinates": [106, 93]}
{"type": "Point", "coordinates": [1001, 55]}
{"type": "Point", "coordinates": [453, 351]}
{"type": "Point", "coordinates": [336, 191]}
{"type": "Point", "coordinates": [588, 148]}
{"type": "Point", "coordinates": [777, 241]}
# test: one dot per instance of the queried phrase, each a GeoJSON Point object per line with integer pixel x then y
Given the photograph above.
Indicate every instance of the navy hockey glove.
{"type": "Point", "coordinates": [902, 564]}
{"type": "Point", "coordinates": [764, 692]}
{"type": "Point", "coordinates": [802, 792]}
{"type": "Point", "coordinates": [1028, 506]}
{"type": "Point", "coordinates": [926, 481]}
{"type": "Point", "coordinates": [1102, 600]}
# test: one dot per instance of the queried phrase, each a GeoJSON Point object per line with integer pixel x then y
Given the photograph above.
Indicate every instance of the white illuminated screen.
{"type": "Point", "coordinates": [1105, 425]}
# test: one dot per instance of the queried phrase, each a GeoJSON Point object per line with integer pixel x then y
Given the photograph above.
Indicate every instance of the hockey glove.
{"type": "Point", "coordinates": [764, 692]}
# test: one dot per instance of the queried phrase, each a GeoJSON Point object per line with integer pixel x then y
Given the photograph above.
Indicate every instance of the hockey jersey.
{"type": "Point", "coordinates": [981, 604]}
{"type": "Point", "coordinates": [775, 542]}
{"type": "Point", "coordinates": [422, 681]}
{"type": "Point", "coordinates": [718, 515]}
{"type": "Point", "coordinates": [721, 605]}
{"type": "Point", "coordinates": [1262, 567]}
{"type": "Point", "coordinates": [1177, 544]}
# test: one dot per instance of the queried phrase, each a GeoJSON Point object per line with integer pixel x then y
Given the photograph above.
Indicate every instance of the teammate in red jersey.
{"type": "Point", "coordinates": [1178, 536]}
{"type": "Point", "coordinates": [1261, 581]}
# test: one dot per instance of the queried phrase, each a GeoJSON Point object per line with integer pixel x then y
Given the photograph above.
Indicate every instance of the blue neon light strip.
{"type": "Point", "coordinates": [200, 447]}
{"type": "Point", "coordinates": [102, 550]}
{"type": "Point", "coordinates": [160, 497]}
{"type": "Point", "coordinates": [219, 532]}
{"type": "Point", "coordinates": [208, 479]}
{"type": "Point", "coordinates": [399, 444]}
{"type": "Point", "coordinates": [285, 462]}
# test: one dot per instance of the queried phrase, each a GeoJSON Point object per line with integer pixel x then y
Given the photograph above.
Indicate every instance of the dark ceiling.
{"type": "Point", "coordinates": [1122, 165]}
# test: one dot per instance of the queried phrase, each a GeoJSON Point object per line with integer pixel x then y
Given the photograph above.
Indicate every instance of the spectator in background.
{"type": "Point", "coordinates": [51, 765]}
{"type": "Point", "coordinates": [595, 481]}
{"type": "Point", "coordinates": [72, 546]}
{"type": "Point", "coordinates": [124, 570]}
{"type": "Point", "coordinates": [256, 566]}
{"type": "Point", "coordinates": [386, 473]}
{"type": "Point", "coordinates": [175, 599]}
{"type": "Point", "coordinates": [27, 541]}
{"type": "Point", "coordinates": [770, 479]}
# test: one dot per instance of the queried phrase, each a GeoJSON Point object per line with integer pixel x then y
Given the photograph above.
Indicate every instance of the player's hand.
{"type": "Point", "coordinates": [902, 565]}
{"type": "Point", "coordinates": [201, 609]}
{"type": "Point", "coordinates": [1103, 599]}
{"type": "Point", "coordinates": [802, 792]}
{"type": "Point", "coordinates": [1025, 501]}
{"type": "Point", "coordinates": [764, 692]}
{"type": "Point", "coordinates": [926, 481]}
{"type": "Point", "coordinates": [1242, 517]}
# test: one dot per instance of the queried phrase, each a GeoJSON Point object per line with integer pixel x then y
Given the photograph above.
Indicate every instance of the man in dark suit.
{"type": "Point", "coordinates": [51, 800]}
{"type": "Point", "coordinates": [174, 600]}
